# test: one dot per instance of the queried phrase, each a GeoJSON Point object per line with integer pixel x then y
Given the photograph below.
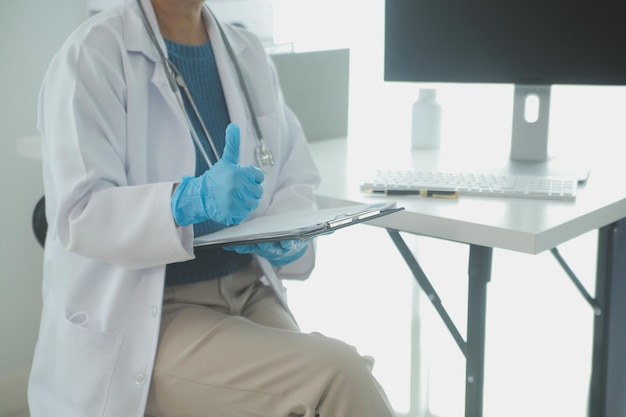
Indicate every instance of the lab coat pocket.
{"type": "Point", "coordinates": [85, 363]}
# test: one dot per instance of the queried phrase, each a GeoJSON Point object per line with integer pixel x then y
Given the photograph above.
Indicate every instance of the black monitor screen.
{"type": "Point", "coordinates": [506, 41]}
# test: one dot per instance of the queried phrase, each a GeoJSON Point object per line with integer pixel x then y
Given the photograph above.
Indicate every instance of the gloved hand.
{"type": "Point", "coordinates": [227, 193]}
{"type": "Point", "coordinates": [278, 253]}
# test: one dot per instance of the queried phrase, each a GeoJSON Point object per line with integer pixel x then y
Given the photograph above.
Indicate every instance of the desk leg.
{"type": "Point", "coordinates": [607, 397]}
{"type": "Point", "coordinates": [480, 260]}
{"type": "Point", "coordinates": [479, 271]}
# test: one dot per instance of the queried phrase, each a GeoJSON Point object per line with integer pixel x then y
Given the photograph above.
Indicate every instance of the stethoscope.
{"type": "Point", "coordinates": [264, 156]}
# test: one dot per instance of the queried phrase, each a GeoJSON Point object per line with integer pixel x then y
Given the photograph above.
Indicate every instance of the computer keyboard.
{"type": "Point", "coordinates": [398, 182]}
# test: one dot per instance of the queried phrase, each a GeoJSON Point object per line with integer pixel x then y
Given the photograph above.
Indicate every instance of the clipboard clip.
{"type": "Point", "coordinates": [344, 219]}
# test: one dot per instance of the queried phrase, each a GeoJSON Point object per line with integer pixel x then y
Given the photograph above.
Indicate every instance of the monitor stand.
{"type": "Point", "coordinates": [529, 141]}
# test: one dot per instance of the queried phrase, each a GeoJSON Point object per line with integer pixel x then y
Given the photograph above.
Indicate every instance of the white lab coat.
{"type": "Point", "coordinates": [114, 142]}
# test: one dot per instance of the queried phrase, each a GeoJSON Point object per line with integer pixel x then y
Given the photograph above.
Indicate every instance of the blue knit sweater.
{"type": "Point", "coordinates": [198, 68]}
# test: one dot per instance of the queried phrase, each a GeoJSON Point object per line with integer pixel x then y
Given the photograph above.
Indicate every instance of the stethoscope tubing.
{"type": "Point", "coordinates": [177, 82]}
{"type": "Point", "coordinates": [181, 83]}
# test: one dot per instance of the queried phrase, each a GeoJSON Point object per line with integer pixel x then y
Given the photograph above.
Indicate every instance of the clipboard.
{"type": "Point", "coordinates": [300, 225]}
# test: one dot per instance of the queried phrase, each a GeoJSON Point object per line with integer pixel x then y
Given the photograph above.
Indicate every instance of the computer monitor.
{"type": "Point", "coordinates": [532, 44]}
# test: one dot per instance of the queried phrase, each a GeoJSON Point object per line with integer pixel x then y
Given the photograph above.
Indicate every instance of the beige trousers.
{"type": "Point", "coordinates": [228, 348]}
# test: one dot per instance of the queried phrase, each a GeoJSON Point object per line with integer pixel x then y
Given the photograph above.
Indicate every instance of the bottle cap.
{"type": "Point", "coordinates": [428, 93]}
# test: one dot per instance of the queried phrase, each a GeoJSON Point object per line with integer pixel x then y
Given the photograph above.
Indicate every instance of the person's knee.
{"type": "Point", "coordinates": [343, 357]}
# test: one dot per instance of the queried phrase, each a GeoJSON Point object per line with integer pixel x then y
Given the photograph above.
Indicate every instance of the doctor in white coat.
{"type": "Point", "coordinates": [116, 341]}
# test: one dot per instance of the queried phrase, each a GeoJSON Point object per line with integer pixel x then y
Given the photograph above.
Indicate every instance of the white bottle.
{"type": "Point", "coordinates": [426, 128]}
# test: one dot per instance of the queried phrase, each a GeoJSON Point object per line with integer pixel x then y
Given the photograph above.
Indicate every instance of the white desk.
{"type": "Point", "coordinates": [524, 225]}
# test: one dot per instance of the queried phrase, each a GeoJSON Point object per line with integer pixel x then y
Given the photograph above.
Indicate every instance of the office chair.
{"type": "Point", "coordinates": [39, 222]}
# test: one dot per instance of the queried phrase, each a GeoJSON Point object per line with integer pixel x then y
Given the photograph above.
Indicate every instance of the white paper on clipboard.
{"type": "Point", "coordinates": [296, 225]}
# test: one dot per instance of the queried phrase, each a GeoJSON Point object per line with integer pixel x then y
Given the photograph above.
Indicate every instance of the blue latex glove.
{"type": "Point", "coordinates": [278, 253]}
{"type": "Point", "coordinates": [227, 193]}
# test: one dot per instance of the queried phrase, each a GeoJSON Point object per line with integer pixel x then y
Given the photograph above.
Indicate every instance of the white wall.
{"type": "Point", "coordinates": [30, 32]}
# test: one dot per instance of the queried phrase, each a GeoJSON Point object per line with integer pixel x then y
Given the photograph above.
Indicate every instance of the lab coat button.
{"type": "Point", "coordinates": [155, 311]}
{"type": "Point", "coordinates": [140, 379]}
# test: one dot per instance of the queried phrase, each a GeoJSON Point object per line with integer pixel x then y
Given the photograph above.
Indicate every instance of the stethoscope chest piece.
{"type": "Point", "coordinates": [264, 157]}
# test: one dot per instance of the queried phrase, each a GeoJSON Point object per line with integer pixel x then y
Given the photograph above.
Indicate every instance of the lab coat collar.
{"type": "Point", "coordinates": [210, 21]}
{"type": "Point", "coordinates": [138, 40]}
